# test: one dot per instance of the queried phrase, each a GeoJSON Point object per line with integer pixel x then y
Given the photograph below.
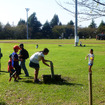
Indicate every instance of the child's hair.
{"type": "Point", "coordinates": [21, 45]}
{"type": "Point", "coordinates": [10, 55]}
{"type": "Point", "coordinates": [91, 50]}
{"type": "Point", "coordinates": [45, 50]}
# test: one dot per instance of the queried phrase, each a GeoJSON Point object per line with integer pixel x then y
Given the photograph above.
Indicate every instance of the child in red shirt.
{"type": "Point", "coordinates": [11, 69]}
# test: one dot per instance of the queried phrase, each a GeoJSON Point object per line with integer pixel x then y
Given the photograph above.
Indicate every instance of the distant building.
{"type": "Point", "coordinates": [100, 37]}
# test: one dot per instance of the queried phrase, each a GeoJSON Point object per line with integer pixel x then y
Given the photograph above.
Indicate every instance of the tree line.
{"type": "Point", "coordinates": [49, 30]}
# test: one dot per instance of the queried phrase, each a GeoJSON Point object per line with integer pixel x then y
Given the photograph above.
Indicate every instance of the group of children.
{"type": "Point", "coordinates": [13, 64]}
{"type": "Point", "coordinates": [15, 69]}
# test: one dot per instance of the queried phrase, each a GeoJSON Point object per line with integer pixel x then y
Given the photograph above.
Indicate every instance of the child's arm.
{"type": "Point", "coordinates": [86, 57]}
{"type": "Point", "coordinates": [44, 61]}
{"type": "Point", "coordinates": [15, 59]}
{"type": "Point", "coordinates": [9, 64]}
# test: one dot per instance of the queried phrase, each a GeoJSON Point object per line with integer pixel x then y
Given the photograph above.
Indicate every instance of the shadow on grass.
{"type": "Point", "coordinates": [28, 79]}
{"type": "Point", "coordinates": [62, 82]}
{"type": "Point", "coordinates": [3, 103]}
{"type": "Point", "coordinates": [4, 71]}
{"type": "Point", "coordinates": [49, 82]}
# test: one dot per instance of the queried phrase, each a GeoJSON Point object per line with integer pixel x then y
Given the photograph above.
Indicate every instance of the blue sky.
{"type": "Point", "coordinates": [13, 10]}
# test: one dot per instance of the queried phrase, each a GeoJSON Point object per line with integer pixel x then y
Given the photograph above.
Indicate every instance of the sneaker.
{"type": "Point", "coordinates": [19, 78]}
{"type": "Point", "coordinates": [26, 75]}
{"type": "Point", "coordinates": [37, 81]}
{"type": "Point", "coordinates": [15, 80]}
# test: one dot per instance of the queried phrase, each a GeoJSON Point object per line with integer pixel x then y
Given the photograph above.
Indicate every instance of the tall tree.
{"type": "Point", "coordinates": [71, 23]}
{"type": "Point", "coordinates": [46, 30]}
{"type": "Point", "coordinates": [21, 22]}
{"type": "Point", "coordinates": [93, 24]}
{"type": "Point", "coordinates": [1, 31]}
{"type": "Point", "coordinates": [60, 23]}
{"type": "Point", "coordinates": [34, 25]}
{"type": "Point", "coordinates": [54, 21]}
{"type": "Point", "coordinates": [101, 28]}
{"type": "Point", "coordinates": [1, 27]}
{"type": "Point", "coordinates": [102, 24]}
{"type": "Point", "coordinates": [7, 31]}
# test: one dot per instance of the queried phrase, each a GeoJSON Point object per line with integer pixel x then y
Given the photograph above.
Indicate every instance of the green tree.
{"type": "Point", "coordinates": [21, 22]}
{"type": "Point", "coordinates": [102, 24]}
{"type": "Point", "coordinates": [60, 23]}
{"type": "Point", "coordinates": [71, 23]}
{"type": "Point", "coordinates": [34, 25]}
{"type": "Point", "coordinates": [101, 28]}
{"type": "Point", "coordinates": [67, 31]}
{"type": "Point", "coordinates": [20, 32]}
{"type": "Point", "coordinates": [92, 24]}
{"type": "Point", "coordinates": [1, 27]}
{"type": "Point", "coordinates": [46, 30]}
{"type": "Point", "coordinates": [1, 31]}
{"type": "Point", "coordinates": [87, 32]}
{"type": "Point", "coordinates": [54, 21]}
{"type": "Point", "coordinates": [7, 32]}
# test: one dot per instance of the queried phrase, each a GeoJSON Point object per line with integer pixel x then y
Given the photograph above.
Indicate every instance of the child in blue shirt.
{"type": "Point", "coordinates": [15, 60]}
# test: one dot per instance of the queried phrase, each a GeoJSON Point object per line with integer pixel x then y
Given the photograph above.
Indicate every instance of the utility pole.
{"type": "Point", "coordinates": [0, 58]}
{"type": "Point", "coordinates": [90, 88]}
{"type": "Point", "coordinates": [76, 26]}
{"type": "Point", "coordinates": [27, 9]}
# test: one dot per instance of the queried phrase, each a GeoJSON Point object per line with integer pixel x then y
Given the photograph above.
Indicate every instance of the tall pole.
{"type": "Point", "coordinates": [90, 87]}
{"type": "Point", "coordinates": [76, 20]}
{"type": "Point", "coordinates": [27, 9]}
{"type": "Point", "coordinates": [0, 59]}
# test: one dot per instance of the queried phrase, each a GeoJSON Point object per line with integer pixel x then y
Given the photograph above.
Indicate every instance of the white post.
{"type": "Point", "coordinates": [76, 20]}
{"type": "Point", "coordinates": [27, 9]}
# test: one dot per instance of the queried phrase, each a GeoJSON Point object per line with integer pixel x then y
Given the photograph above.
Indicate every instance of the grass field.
{"type": "Point", "coordinates": [69, 62]}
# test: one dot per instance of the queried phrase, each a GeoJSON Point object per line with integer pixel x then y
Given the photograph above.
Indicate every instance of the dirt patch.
{"type": "Point", "coordinates": [8, 41]}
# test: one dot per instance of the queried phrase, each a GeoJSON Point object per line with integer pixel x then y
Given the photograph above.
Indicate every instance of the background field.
{"type": "Point", "coordinates": [69, 61]}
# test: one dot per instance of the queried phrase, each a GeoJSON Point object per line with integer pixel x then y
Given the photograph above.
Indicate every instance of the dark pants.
{"type": "Point", "coordinates": [22, 64]}
{"type": "Point", "coordinates": [18, 70]}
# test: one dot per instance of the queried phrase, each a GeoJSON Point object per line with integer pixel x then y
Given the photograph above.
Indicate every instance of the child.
{"type": "Point", "coordinates": [34, 62]}
{"type": "Point", "coordinates": [37, 46]}
{"type": "Point", "coordinates": [91, 58]}
{"type": "Point", "coordinates": [15, 61]}
{"type": "Point", "coordinates": [11, 69]}
{"type": "Point", "coordinates": [23, 55]}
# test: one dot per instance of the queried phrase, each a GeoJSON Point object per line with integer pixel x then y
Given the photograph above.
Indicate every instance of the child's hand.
{"type": "Point", "coordinates": [21, 59]}
{"type": "Point", "coordinates": [49, 66]}
{"type": "Point", "coordinates": [86, 58]}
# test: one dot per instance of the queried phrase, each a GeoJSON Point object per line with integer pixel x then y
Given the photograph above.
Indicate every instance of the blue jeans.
{"type": "Point", "coordinates": [22, 64]}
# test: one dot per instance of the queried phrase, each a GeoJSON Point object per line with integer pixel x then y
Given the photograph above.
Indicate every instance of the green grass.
{"type": "Point", "coordinates": [69, 62]}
